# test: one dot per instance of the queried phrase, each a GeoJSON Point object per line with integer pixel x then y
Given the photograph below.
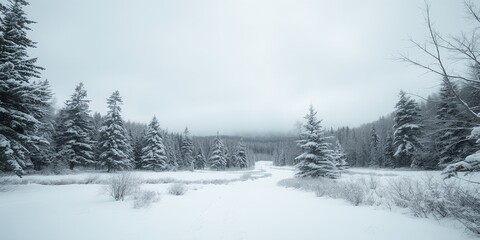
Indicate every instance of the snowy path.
{"type": "Point", "coordinates": [256, 209]}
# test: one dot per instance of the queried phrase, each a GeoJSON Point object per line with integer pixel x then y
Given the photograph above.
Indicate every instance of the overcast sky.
{"type": "Point", "coordinates": [237, 66]}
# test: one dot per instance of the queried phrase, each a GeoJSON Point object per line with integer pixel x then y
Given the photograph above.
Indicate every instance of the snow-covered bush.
{"type": "Point", "coordinates": [410, 193]}
{"type": "Point", "coordinates": [121, 185]}
{"type": "Point", "coordinates": [145, 198]}
{"type": "Point", "coordinates": [464, 205]}
{"type": "Point", "coordinates": [423, 197]}
{"type": "Point", "coordinates": [351, 191]}
{"type": "Point", "coordinates": [177, 189]}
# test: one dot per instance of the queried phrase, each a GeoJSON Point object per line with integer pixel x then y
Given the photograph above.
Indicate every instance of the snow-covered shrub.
{"type": "Point", "coordinates": [177, 189]}
{"type": "Point", "coordinates": [464, 205]}
{"type": "Point", "coordinates": [421, 196]}
{"type": "Point", "coordinates": [351, 191]}
{"type": "Point", "coordinates": [122, 185]}
{"type": "Point", "coordinates": [323, 187]}
{"type": "Point", "coordinates": [144, 198]}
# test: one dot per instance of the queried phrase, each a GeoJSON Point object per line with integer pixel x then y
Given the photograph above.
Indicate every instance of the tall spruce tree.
{"type": "Point", "coordinates": [154, 156]}
{"type": "Point", "coordinates": [374, 151]}
{"type": "Point", "coordinates": [217, 157]}
{"type": "Point", "coordinates": [45, 155]}
{"type": "Point", "coordinates": [453, 143]}
{"type": "Point", "coordinates": [316, 159]}
{"type": "Point", "coordinates": [389, 152]}
{"type": "Point", "coordinates": [241, 160]}
{"type": "Point", "coordinates": [138, 144]}
{"type": "Point", "coordinates": [113, 145]}
{"type": "Point", "coordinates": [200, 161]}
{"type": "Point", "coordinates": [407, 132]}
{"type": "Point", "coordinates": [187, 151]}
{"type": "Point", "coordinates": [74, 144]}
{"type": "Point", "coordinates": [21, 106]}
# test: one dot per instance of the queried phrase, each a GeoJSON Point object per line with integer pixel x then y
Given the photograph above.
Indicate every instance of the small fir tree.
{"type": "Point", "coordinates": [241, 156]}
{"type": "Point", "coordinates": [316, 159]}
{"type": "Point", "coordinates": [217, 157]}
{"type": "Point", "coordinates": [187, 151]}
{"type": "Point", "coordinates": [154, 156]}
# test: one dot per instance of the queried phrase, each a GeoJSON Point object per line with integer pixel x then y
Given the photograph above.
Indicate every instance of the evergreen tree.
{"type": "Point", "coordinates": [374, 142]}
{"type": "Point", "coordinates": [407, 132]}
{"type": "Point", "coordinates": [21, 106]}
{"type": "Point", "coordinates": [241, 156]}
{"type": "Point", "coordinates": [389, 152]}
{"type": "Point", "coordinates": [339, 156]}
{"type": "Point", "coordinates": [44, 155]}
{"type": "Point", "coordinates": [73, 138]}
{"type": "Point", "coordinates": [187, 151]}
{"type": "Point", "coordinates": [114, 146]}
{"type": "Point", "coordinates": [174, 160]}
{"type": "Point", "coordinates": [138, 144]}
{"type": "Point", "coordinates": [14, 42]}
{"type": "Point", "coordinates": [316, 159]}
{"type": "Point", "coordinates": [200, 162]}
{"type": "Point", "coordinates": [217, 157]}
{"type": "Point", "coordinates": [153, 154]}
{"type": "Point", "coordinates": [453, 143]}
{"type": "Point", "coordinates": [279, 156]}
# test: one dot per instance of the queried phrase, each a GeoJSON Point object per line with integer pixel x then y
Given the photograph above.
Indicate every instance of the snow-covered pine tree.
{"type": "Point", "coordinates": [73, 134]}
{"type": "Point", "coordinates": [113, 145]}
{"type": "Point", "coordinates": [138, 144]}
{"type": "Point", "coordinates": [187, 151]}
{"type": "Point", "coordinates": [389, 152]}
{"type": "Point", "coordinates": [241, 160]}
{"type": "Point", "coordinates": [316, 159]}
{"type": "Point", "coordinates": [20, 105]}
{"type": "Point", "coordinates": [452, 140]}
{"type": "Point", "coordinates": [374, 151]}
{"type": "Point", "coordinates": [44, 155]}
{"type": "Point", "coordinates": [406, 132]}
{"type": "Point", "coordinates": [217, 157]}
{"type": "Point", "coordinates": [339, 156]}
{"type": "Point", "coordinates": [229, 158]}
{"type": "Point", "coordinates": [173, 149]}
{"type": "Point", "coordinates": [471, 163]}
{"type": "Point", "coordinates": [154, 156]}
{"type": "Point", "coordinates": [200, 161]}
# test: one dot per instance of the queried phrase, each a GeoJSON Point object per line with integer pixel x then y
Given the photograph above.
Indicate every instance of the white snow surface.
{"type": "Point", "coordinates": [252, 209]}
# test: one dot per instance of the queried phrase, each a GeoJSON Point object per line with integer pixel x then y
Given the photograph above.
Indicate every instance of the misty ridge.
{"type": "Point", "coordinates": [211, 119]}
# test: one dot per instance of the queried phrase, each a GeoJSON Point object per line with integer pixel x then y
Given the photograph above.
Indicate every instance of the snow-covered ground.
{"type": "Point", "coordinates": [252, 209]}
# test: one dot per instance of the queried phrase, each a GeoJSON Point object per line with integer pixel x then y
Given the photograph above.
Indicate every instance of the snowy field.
{"type": "Point", "coordinates": [236, 208]}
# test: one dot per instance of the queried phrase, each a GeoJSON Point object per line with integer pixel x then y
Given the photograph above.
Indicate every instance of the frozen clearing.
{"type": "Point", "coordinates": [253, 209]}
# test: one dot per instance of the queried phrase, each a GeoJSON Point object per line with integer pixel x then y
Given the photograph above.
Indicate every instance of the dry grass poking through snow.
{"type": "Point", "coordinates": [122, 185]}
{"type": "Point", "coordinates": [423, 197]}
